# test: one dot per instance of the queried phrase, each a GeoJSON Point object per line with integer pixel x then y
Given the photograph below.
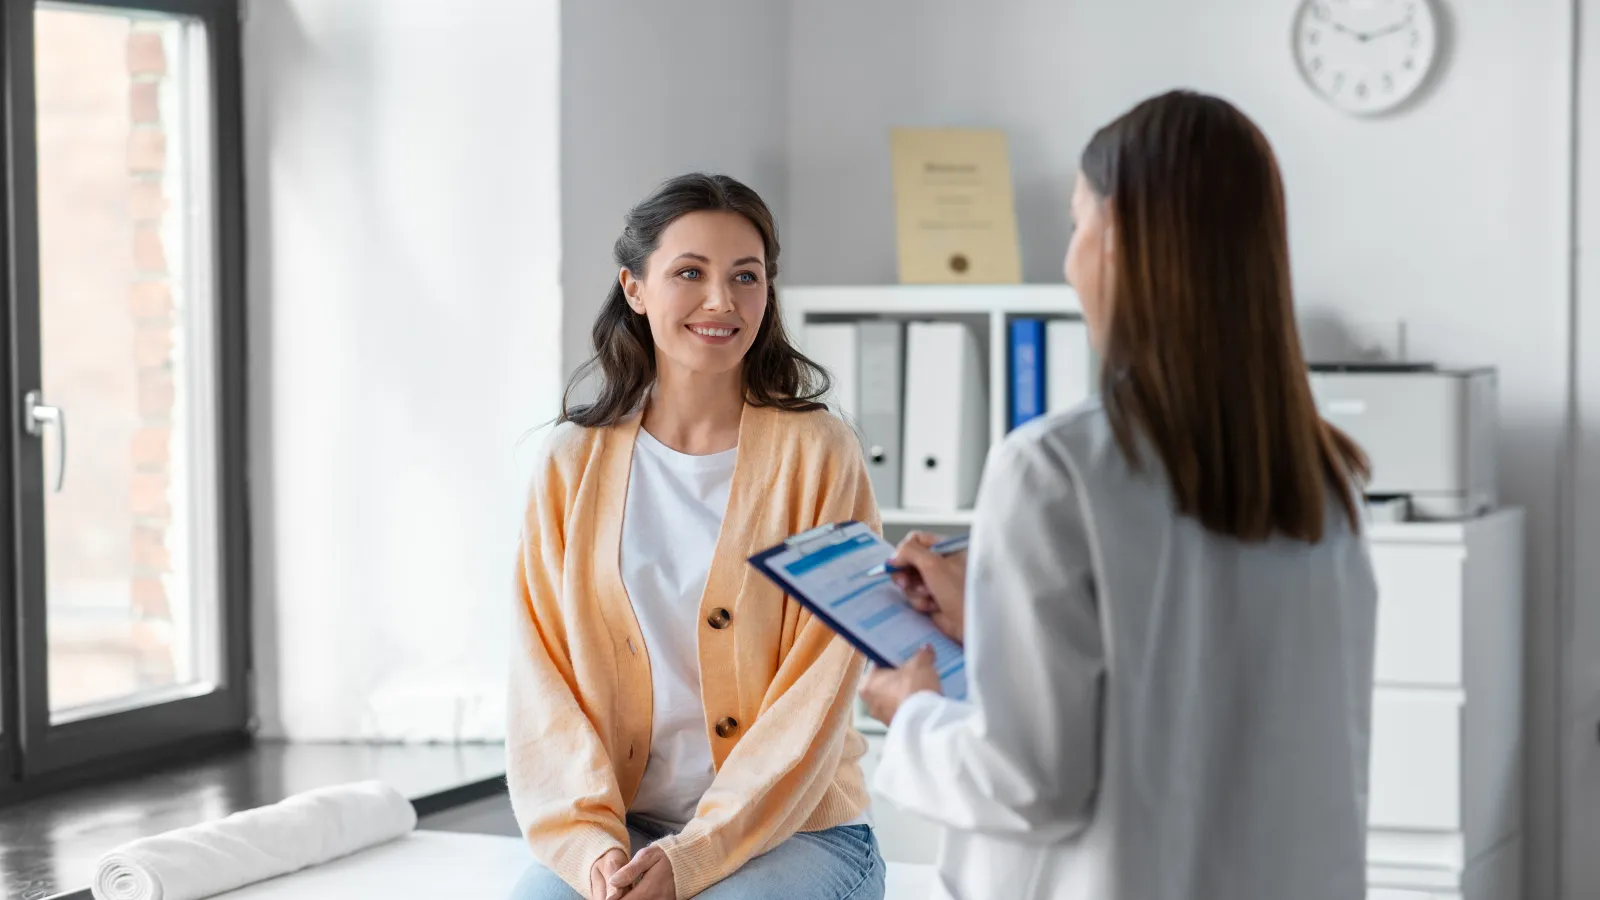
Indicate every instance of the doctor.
{"type": "Point", "coordinates": [1168, 611]}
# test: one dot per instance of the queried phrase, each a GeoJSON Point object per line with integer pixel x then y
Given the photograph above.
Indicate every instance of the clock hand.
{"type": "Point", "coordinates": [1403, 25]}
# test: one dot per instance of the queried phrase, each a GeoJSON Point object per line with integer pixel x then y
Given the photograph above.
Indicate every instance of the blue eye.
{"type": "Point", "coordinates": [691, 274]}
{"type": "Point", "coordinates": [747, 277]}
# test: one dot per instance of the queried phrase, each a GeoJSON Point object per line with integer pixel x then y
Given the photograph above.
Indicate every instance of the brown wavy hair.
{"type": "Point", "coordinates": [776, 374]}
{"type": "Point", "coordinates": [1202, 355]}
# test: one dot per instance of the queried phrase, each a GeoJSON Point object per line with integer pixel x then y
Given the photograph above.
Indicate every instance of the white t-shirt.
{"type": "Point", "coordinates": [669, 531]}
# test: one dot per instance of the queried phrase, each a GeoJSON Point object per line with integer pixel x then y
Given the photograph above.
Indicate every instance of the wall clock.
{"type": "Point", "coordinates": [1365, 56]}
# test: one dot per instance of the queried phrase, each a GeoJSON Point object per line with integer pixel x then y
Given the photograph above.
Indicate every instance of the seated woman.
{"type": "Point", "coordinates": [665, 698]}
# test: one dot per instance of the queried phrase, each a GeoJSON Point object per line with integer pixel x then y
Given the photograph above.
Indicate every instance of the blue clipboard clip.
{"type": "Point", "coordinates": [820, 536]}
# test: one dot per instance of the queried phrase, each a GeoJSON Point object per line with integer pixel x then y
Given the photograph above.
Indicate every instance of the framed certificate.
{"type": "Point", "coordinates": [954, 210]}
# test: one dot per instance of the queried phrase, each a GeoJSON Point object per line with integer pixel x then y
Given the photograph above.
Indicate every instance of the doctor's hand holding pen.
{"type": "Point", "coordinates": [936, 584]}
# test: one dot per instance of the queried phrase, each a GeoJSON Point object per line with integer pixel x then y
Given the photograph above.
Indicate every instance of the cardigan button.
{"type": "Point", "coordinates": [727, 727]}
{"type": "Point", "coordinates": [719, 618]}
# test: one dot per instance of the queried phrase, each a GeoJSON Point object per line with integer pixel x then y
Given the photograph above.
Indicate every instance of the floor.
{"type": "Point", "coordinates": [49, 847]}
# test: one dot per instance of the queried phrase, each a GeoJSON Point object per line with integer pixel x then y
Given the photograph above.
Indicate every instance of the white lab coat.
{"type": "Point", "coordinates": [1155, 712]}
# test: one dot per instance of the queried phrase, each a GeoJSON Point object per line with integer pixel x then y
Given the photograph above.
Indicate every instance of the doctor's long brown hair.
{"type": "Point", "coordinates": [1202, 357]}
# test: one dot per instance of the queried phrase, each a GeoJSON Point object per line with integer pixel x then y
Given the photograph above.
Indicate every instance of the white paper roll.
{"type": "Point", "coordinates": [256, 844]}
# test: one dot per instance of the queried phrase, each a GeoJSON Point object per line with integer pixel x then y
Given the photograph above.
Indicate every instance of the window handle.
{"type": "Point", "coordinates": [35, 416]}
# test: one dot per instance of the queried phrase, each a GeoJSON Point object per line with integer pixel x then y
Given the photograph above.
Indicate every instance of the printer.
{"type": "Point", "coordinates": [1429, 432]}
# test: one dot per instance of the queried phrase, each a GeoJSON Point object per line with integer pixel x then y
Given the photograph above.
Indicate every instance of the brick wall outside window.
{"type": "Point", "coordinates": [111, 293]}
{"type": "Point", "coordinates": [155, 322]}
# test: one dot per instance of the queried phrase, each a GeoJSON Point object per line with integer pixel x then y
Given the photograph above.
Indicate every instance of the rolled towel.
{"type": "Point", "coordinates": [256, 844]}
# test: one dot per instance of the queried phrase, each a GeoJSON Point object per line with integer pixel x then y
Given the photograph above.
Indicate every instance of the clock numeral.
{"type": "Point", "coordinates": [1338, 81]}
{"type": "Point", "coordinates": [1361, 90]}
{"type": "Point", "coordinates": [1410, 63]}
{"type": "Point", "coordinates": [1416, 37]}
{"type": "Point", "coordinates": [1313, 38]}
{"type": "Point", "coordinates": [1388, 82]}
{"type": "Point", "coordinates": [1316, 64]}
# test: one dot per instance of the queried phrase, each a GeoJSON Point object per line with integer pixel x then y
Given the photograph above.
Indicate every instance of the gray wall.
{"type": "Point", "coordinates": [652, 90]}
{"type": "Point", "coordinates": [1451, 215]}
{"type": "Point", "coordinates": [1582, 628]}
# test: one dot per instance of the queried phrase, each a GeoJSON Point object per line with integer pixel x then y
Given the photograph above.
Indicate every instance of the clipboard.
{"type": "Point", "coordinates": [827, 570]}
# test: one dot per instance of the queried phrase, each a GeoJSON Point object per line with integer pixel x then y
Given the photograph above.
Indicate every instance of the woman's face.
{"type": "Point", "coordinates": [1088, 265]}
{"type": "Point", "coordinates": [704, 292]}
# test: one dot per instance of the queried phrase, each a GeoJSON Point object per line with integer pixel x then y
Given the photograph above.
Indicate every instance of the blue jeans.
{"type": "Point", "coordinates": [838, 864]}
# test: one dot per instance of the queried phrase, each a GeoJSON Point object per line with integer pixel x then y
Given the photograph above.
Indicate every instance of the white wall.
{"type": "Point", "coordinates": [653, 90]}
{"type": "Point", "coordinates": [405, 332]}
{"type": "Point", "coordinates": [1452, 216]}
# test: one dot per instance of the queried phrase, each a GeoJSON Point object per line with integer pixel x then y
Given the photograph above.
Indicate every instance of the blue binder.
{"type": "Point", "coordinates": [1027, 370]}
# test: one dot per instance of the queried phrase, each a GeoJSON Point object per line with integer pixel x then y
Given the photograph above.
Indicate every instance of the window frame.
{"type": "Point", "coordinates": [37, 755]}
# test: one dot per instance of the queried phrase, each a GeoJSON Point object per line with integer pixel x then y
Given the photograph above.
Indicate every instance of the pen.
{"type": "Point", "coordinates": [946, 547]}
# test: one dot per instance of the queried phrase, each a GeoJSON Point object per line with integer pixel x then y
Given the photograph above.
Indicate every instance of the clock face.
{"type": "Point", "coordinates": [1365, 56]}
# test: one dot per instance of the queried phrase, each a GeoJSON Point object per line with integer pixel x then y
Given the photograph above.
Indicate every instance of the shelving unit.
{"type": "Point", "coordinates": [987, 308]}
{"type": "Point", "coordinates": [1444, 820]}
{"type": "Point", "coordinates": [915, 517]}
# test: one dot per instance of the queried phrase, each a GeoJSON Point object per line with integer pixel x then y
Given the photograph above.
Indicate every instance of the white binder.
{"type": "Point", "coordinates": [882, 370]}
{"type": "Point", "coordinates": [835, 346]}
{"type": "Point", "coordinates": [947, 417]}
{"type": "Point", "coordinates": [1069, 364]}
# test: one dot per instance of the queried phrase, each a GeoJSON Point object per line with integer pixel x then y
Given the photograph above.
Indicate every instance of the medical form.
{"type": "Point", "coordinates": [829, 571]}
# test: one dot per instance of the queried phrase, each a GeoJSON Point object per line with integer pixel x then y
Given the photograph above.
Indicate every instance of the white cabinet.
{"type": "Point", "coordinates": [1445, 806]}
{"type": "Point", "coordinates": [1419, 634]}
{"type": "Point", "coordinates": [1416, 762]}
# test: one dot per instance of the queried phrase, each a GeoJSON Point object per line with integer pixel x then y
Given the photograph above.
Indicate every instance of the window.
{"type": "Point", "coordinates": [126, 620]}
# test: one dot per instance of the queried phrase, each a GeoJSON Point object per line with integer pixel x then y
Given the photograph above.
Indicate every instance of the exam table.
{"type": "Point", "coordinates": [438, 865]}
